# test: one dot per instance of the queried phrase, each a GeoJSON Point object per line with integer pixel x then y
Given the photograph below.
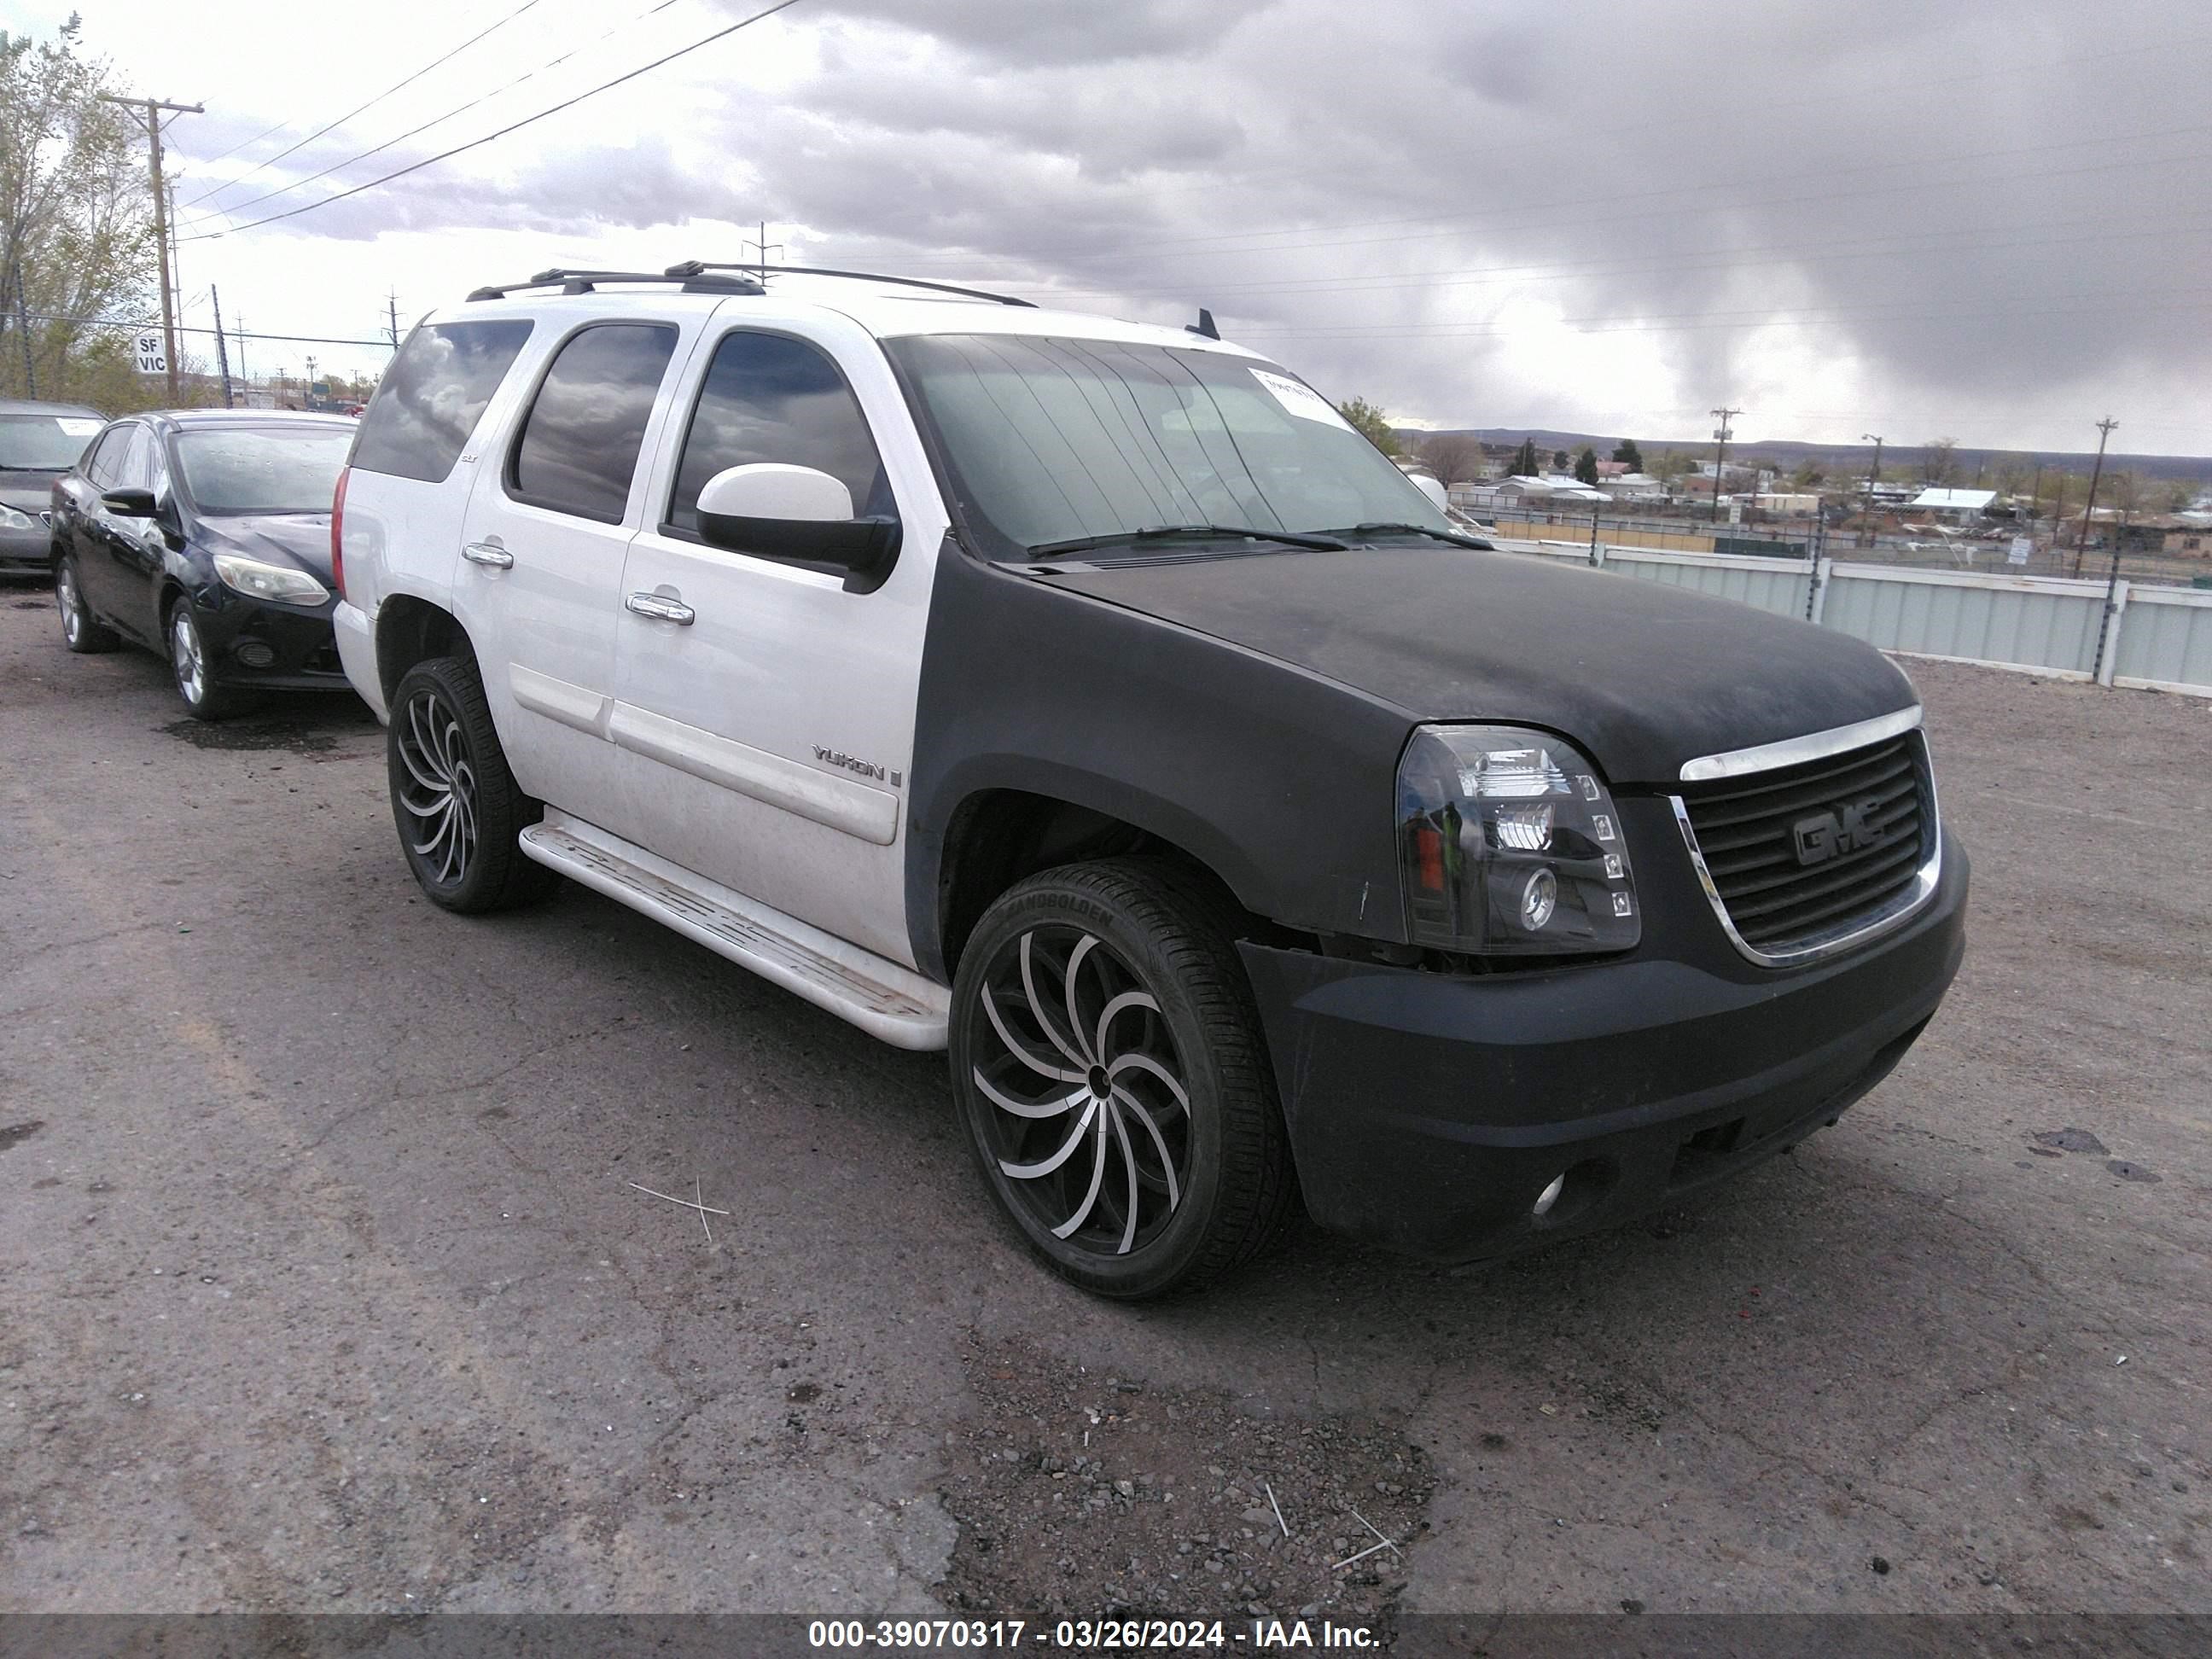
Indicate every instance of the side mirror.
{"type": "Point", "coordinates": [779, 511]}
{"type": "Point", "coordinates": [1438, 497]}
{"type": "Point", "coordinates": [129, 503]}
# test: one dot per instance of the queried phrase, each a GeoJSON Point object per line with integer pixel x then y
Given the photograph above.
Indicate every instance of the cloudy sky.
{"type": "Point", "coordinates": [1990, 219]}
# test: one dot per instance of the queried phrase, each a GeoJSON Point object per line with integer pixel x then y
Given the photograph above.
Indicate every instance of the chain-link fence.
{"type": "Point", "coordinates": [2027, 550]}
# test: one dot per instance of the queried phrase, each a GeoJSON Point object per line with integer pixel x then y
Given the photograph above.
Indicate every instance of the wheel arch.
{"type": "Point", "coordinates": [411, 629]}
{"type": "Point", "coordinates": [999, 834]}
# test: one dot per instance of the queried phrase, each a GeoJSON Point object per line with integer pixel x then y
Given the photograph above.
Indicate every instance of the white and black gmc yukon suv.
{"type": "Point", "coordinates": [1088, 699]}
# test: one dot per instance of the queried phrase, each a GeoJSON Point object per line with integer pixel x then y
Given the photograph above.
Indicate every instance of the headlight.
{"type": "Point", "coordinates": [12, 519]}
{"type": "Point", "coordinates": [258, 580]}
{"type": "Point", "coordinates": [1508, 844]}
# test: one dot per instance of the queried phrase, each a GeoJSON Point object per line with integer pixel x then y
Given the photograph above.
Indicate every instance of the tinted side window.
{"type": "Point", "coordinates": [104, 465]}
{"type": "Point", "coordinates": [579, 443]}
{"type": "Point", "coordinates": [138, 468]}
{"type": "Point", "coordinates": [767, 397]}
{"type": "Point", "coordinates": [433, 395]}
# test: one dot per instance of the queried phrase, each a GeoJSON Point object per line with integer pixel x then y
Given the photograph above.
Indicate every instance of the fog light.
{"type": "Point", "coordinates": [254, 655]}
{"type": "Point", "coordinates": [1550, 1195]}
{"type": "Point", "coordinates": [1538, 900]}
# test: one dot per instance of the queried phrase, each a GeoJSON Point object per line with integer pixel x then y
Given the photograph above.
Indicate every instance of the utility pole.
{"type": "Point", "coordinates": [147, 113]}
{"type": "Point", "coordinates": [391, 316]}
{"type": "Point", "coordinates": [763, 247]}
{"type": "Point", "coordinates": [245, 380]}
{"type": "Point", "coordinates": [221, 350]}
{"type": "Point", "coordinates": [1873, 472]}
{"type": "Point", "coordinates": [2081, 542]}
{"type": "Point", "coordinates": [1720, 459]}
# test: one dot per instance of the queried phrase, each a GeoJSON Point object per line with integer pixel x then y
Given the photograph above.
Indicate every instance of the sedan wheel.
{"type": "Point", "coordinates": [1109, 1069]}
{"type": "Point", "coordinates": [79, 631]}
{"type": "Point", "coordinates": [190, 663]}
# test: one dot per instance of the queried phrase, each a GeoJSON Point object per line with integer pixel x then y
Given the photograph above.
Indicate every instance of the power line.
{"type": "Point", "coordinates": [236, 333]}
{"type": "Point", "coordinates": [440, 120]}
{"type": "Point", "coordinates": [229, 183]}
{"type": "Point", "coordinates": [513, 126]}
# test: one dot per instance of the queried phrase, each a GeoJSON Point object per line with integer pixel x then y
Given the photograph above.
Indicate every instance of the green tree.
{"type": "Point", "coordinates": [1586, 465]}
{"type": "Point", "coordinates": [1629, 455]}
{"type": "Point", "coordinates": [1558, 460]}
{"type": "Point", "coordinates": [1372, 423]}
{"type": "Point", "coordinates": [1524, 463]}
{"type": "Point", "coordinates": [77, 236]}
{"type": "Point", "coordinates": [1808, 475]}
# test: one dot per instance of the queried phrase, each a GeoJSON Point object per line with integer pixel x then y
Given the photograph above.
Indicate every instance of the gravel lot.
{"type": "Point", "coordinates": [323, 1287]}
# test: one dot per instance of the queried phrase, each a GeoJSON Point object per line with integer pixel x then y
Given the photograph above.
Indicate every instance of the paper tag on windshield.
{"type": "Point", "coordinates": [76, 426]}
{"type": "Point", "coordinates": [1302, 401]}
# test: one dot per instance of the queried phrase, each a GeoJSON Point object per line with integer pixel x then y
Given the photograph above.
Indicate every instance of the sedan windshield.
{"type": "Point", "coordinates": [44, 443]}
{"type": "Point", "coordinates": [1060, 441]}
{"type": "Point", "coordinates": [262, 469]}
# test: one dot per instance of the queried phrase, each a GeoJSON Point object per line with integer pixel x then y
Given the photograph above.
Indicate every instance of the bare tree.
{"type": "Point", "coordinates": [1454, 456]}
{"type": "Point", "coordinates": [1939, 461]}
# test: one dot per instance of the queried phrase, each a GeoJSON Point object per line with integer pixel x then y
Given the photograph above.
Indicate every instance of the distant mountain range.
{"type": "Point", "coordinates": [1850, 458]}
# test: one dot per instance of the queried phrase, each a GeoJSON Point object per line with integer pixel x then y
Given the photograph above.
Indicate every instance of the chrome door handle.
{"type": "Point", "coordinates": [486, 553]}
{"type": "Point", "coordinates": [661, 608]}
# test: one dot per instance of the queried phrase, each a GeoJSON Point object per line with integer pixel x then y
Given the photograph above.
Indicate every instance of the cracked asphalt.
{"type": "Point", "coordinates": [323, 1283]}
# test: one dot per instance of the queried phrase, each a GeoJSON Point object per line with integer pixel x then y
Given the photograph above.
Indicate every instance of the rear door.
{"type": "Point", "coordinates": [766, 739]}
{"type": "Point", "coordinates": [540, 585]}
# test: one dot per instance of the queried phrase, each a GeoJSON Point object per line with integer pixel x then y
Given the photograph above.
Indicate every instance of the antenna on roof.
{"type": "Point", "coordinates": [1204, 325]}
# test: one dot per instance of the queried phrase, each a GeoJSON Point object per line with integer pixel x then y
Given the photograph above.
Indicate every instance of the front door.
{"type": "Point", "coordinates": [539, 586]}
{"type": "Point", "coordinates": [767, 724]}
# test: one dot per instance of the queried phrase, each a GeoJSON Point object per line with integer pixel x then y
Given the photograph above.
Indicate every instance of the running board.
{"type": "Point", "coordinates": [875, 994]}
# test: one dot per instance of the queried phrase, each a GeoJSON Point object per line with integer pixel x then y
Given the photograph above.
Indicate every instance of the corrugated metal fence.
{"type": "Point", "coordinates": [2156, 639]}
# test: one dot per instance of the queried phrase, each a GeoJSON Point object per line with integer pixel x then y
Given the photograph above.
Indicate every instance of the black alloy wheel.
{"type": "Point", "coordinates": [80, 632]}
{"type": "Point", "coordinates": [1110, 1070]}
{"type": "Point", "coordinates": [457, 808]}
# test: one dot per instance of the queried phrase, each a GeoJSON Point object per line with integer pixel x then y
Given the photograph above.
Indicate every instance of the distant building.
{"type": "Point", "coordinates": [1632, 487]}
{"type": "Point", "coordinates": [1960, 506]}
{"type": "Point", "coordinates": [2183, 535]}
{"type": "Point", "coordinates": [1784, 506]}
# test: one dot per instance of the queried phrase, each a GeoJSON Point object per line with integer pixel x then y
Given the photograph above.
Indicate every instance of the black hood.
{"type": "Point", "coordinates": [1642, 675]}
{"type": "Point", "coordinates": [300, 539]}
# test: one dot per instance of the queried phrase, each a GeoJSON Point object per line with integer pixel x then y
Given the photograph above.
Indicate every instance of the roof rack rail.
{"type": "Point", "coordinates": [584, 282]}
{"type": "Point", "coordinates": [692, 270]}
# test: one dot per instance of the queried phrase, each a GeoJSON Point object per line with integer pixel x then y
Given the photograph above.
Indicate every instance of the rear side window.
{"type": "Point", "coordinates": [770, 398]}
{"type": "Point", "coordinates": [579, 445]}
{"type": "Point", "coordinates": [433, 395]}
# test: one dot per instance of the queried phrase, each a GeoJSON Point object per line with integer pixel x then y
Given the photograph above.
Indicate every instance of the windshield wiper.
{"type": "Point", "coordinates": [1451, 536]}
{"type": "Point", "coordinates": [1158, 532]}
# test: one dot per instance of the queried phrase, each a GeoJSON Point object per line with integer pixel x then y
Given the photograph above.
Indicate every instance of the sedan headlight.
{"type": "Point", "coordinates": [11, 518]}
{"type": "Point", "coordinates": [279, 582]}
{"type": "Point", "coordinates": [1508, 844]}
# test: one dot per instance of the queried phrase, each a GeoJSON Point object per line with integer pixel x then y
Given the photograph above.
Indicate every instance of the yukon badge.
{"type": "Point", "coordinates": [854, 764]}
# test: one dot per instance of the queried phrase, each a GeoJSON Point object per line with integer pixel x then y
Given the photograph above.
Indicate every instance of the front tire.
{"type": "Point", "coordinates": [1110, 1070]}
{"type": "Point", "coordinates": [192, 667]}
{"type": "Point", "coordinates": [459, 811]}
{"type": "Point", "coordinates": [80, 633]}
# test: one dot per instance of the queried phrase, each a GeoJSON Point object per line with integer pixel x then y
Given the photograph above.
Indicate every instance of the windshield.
{"type": "Point", "coordinates": [44, 443]}
{"type": "Point", "coordinates": [262, 469]}
{"type": "Point", "coordinates": [1052, 440]}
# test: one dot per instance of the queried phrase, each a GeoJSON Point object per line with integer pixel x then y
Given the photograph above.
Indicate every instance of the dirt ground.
{"type": "Point", "coordinates": [325, 1284]}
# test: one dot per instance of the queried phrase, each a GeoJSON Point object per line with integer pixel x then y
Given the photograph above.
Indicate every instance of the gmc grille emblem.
{"type": "Point", "coordinates": [1849, 828]}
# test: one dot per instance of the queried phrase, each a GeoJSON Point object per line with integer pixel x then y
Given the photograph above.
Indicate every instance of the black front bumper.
{"type": "Point", "coordinates": [253, 644]}
{"type": "Point", "coordinates": [1430, 1111]}
{"type": "Point", "coordinates": [27, 552]}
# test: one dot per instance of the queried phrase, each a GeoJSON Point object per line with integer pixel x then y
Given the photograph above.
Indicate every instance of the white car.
{"type": "Point", "coordinates": [1090, 699]}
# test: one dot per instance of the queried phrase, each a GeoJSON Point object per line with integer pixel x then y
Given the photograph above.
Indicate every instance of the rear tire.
{"type": "Point", "coordinates": [459, 813]}
{"type": "Point", "coordinates": [80, 633]}
{"type": "Point", "coordinates": [1110, 1071]}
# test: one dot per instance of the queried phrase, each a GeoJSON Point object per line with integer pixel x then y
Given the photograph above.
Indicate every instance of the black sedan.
{"type": "Point", "coordinates": [205, 535]}
{"type": "Point", "coordinates": [38, 443]}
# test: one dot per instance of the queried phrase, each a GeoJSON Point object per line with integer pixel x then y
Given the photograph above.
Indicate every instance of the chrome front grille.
{"type": "Point", "coordinates": [1804, 860]}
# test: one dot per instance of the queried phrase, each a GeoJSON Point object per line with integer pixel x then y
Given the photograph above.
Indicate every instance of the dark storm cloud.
{"type": "Point", "coordinates": [1996, 207]}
